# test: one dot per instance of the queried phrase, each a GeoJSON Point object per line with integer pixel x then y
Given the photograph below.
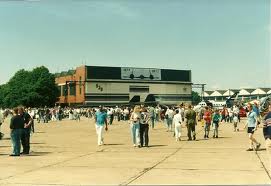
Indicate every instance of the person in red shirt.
{"type": "Point", "coordinates": [207, 118]}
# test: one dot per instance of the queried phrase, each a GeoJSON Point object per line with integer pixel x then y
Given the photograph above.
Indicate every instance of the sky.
{"type": "Point", "coordinates": [225, 43]}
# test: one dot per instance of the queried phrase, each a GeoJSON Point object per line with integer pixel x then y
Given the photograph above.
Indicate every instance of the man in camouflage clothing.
{"type": "Point", "coordinates": [190, 116]}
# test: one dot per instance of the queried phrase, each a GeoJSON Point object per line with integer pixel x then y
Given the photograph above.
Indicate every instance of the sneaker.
{"type": "Point", "coordinates": [204, 136]}
{"type": "Point", "coordinates": [258, 146]}
{"type": "Point", "coordinates": [14, 155]}
{"type": "Point", "coordinates": [194, 138]}
{"type": "Point", "coordinates": [216, 137]}
{"type": "Point", "coordinates": [249, 149]}
{"type": "Point", "coordinates": [134, 145]}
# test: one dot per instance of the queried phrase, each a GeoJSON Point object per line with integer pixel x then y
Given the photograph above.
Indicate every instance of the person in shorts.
{"type": "Point", "coordinates": [251, 128]}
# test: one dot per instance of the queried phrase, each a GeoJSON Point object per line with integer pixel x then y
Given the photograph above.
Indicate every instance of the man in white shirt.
{"type": "Point", "coordinates": [177, 120]}
{"type": "Point", "coordinates": [169, 117]}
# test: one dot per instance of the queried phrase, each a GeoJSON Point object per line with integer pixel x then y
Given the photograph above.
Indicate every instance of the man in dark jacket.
{"type": "Point", "coordinates": [25, 137]}
{"type": "Point", "coordinates": [16, 129]}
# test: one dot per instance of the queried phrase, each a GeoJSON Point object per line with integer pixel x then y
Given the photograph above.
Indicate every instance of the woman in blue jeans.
{"type": "Point", "coordinates": [16, 129]}
{"type": "Point", "coordinates": [135, 127]}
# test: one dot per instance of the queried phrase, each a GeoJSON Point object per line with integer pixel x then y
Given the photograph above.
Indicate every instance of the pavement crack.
{"type": "Point", "coordinates": [46, 166]}
{"type": "Point", "coordinates": [145, 170]}
{"type": "Point", "coordinates": [264, 167]}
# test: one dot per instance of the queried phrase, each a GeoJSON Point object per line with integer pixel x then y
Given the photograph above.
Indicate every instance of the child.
{"type": "Point", "coordinates": [235, 121]}
{"type": "Point", "coordinates": [216, 118]}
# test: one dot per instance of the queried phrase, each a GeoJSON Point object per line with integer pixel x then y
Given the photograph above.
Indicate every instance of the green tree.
{"type": "Point", "coordinates": [195, 97]}
{"type": "Point", "coordinates": [30, 88]}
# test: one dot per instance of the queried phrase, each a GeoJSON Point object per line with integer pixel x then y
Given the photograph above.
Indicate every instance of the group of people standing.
{"type": "Point", "coordinates": [139, 120]}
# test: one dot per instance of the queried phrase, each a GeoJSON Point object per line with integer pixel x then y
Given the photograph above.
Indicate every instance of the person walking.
{"type": "Point", "coordinates": [25, 136]}
{"type": "Point", "coordinates": [177, 121]}
{"type": "Point", "coordinates": [215, 123]}
{"type": "Point", "coordinates": [100, 120]}
{"type": "Point", "coordinates": [235, 123]}
{"type": "Point", "coordinates": [144, 127]}
{"type": "Point", "coordinates": [152, 115]}
{"type": "Point", "coordinates": [207, 116]}
{"type": "Point", "coordinates": [16, 129]}
{"type": "Point", "coordinates": [135, 127]}
{"type": "Point", "coordinates": [1, 121]}
{"type": "Point", "coordinates": [191, 122]}
{"type": "Point", "coordinates": [169, 118]}
{"type": "Point", "coordinates": [251, 128]}
{"type": "Point", "coordinates": [267, 133]}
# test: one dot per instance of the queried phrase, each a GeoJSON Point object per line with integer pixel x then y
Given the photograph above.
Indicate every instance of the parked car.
{"type": "Point", "coordinates": [242, 112]}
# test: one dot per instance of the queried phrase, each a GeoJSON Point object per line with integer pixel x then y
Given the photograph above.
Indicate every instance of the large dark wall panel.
{"type": "Point", "coordinates": [114, 73]}
{"type": "Point", "coordinates": [176, 75]}
{"type": "Point", "coordinates": [95, 72]}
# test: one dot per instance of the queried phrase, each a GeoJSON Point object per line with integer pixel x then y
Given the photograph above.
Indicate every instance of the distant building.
{"type": "Point", "coordinates": [244, 94]}
{"type": "Point", "coordinates": [98, 85]}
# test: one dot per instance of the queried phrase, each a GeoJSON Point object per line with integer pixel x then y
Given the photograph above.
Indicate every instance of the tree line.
{"type": "Point", "coordinates": [35, 88]}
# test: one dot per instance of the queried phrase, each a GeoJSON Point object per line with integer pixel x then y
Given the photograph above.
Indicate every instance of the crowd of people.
{"type": "Point", "coordinates": [141, 118]}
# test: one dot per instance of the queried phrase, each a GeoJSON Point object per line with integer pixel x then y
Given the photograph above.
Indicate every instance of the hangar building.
{"type": "Point", "coordinates": [103, 85]}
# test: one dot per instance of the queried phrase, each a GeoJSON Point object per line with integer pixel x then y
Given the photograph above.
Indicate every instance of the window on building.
{"type": "Point", "coordinates": [64, 91]}
{"type": "Point", "coordinates": [142, 89]}
{"type": "Point", "coordinates": [59, 90]}
{"type": "Point", "coordinates": [72, 87]}
{"type": "Point", "coordinates": [80, 85]}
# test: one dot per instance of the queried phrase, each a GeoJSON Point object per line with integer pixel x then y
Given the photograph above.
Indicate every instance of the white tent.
{"type": "Point", "coordinates": [207, 93]}
{"type": "Point", "coordinates": [258, 91]}
{"type": "Point", "coordinates": [245, 92]}
{"type": "Point", "coordinates": [216, 93]}
{"type": "Point", "coordinates": [230, 92]}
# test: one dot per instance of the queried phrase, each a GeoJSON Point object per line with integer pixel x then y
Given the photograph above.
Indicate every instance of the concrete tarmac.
{"type": "Point", "coordinates": [66, 153]}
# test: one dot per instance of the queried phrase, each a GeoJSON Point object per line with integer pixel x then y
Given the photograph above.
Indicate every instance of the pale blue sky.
{"type": "Point", "coordinates": [226, 43]}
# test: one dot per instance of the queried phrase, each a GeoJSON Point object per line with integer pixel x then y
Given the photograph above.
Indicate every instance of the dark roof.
{"type": "Point", "coordinates": [209, 91]}
{"type": "Point", "coordinates": [265, 89]}
{"type": "Point", "coordinates": [222, 91]}
{"type": "Point", "coordinates": [249, 89]}
{"type": "Point", "coordinates": [235, 90]}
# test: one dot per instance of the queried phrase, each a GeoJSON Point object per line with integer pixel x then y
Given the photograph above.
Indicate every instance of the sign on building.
{"type": "Point", "coordinates": [140, 73]}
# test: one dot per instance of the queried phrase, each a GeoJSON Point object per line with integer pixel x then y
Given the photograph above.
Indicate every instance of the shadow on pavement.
{"type": "Point", "coordinates": [113, 144]}
{"type": "Point", "coordinates": [157, 145]}
{"type": "Point", "coordinates": [37, 153]}
{"type": "Point", "coordinates": [4, 146]}
{"type": "Point", "coordinates": [36, 143]}
{"type": "Point", "coordinates": [5, 139]}
{"type": "Point", "coordinates": [261, 149]}
{"type": "Point", "coordinates": [224, 137]}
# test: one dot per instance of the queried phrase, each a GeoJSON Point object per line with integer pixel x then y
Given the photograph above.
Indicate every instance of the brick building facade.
{"type": "Point", "coordinates": [97, 85]}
